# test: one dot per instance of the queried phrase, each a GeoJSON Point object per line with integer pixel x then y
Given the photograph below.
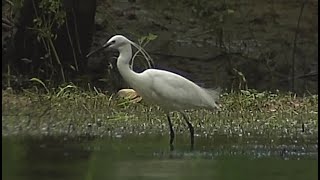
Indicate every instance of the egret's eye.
{"type": "Point", "coordinates": [112, 42]}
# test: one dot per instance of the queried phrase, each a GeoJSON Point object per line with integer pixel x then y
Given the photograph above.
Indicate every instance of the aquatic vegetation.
{"type": "Point", "coordinates": [74, 111]}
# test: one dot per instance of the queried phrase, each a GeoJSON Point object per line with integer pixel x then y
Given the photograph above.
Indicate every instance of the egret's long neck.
{"type": "Point", "coordinates": [125, 55]}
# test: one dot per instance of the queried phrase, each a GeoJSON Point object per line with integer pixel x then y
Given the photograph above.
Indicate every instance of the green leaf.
{"type": "Point", "coordinates": [64, 88]}
{"type": "Point", "coordinates": [40, 82]}
{"type": "Point", "coordinates": [152, 37]}
{"type": "Point", "coordinates": [142, 39]}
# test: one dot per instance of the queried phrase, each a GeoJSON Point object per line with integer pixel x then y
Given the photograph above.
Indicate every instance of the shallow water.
{"type": "Point", "coordinates": [148, 157]}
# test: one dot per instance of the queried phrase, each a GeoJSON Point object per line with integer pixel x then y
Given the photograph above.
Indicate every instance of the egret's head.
{"type": "Point", "coordinates": [116, 41]}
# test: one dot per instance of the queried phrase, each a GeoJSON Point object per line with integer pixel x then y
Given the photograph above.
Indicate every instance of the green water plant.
{"type": "Point", "coordinates": [244, 113]}
{"type": "Point", "coordinates": [49, 16]}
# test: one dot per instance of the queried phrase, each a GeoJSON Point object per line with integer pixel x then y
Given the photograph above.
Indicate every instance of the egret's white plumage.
{"type": "Point", "coordinates": [173, 92]}
{"type": "Point", "coordinates": [170, 91]}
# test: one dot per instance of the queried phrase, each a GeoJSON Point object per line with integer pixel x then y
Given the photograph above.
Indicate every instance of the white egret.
{"type": "Point", "coordinates": [168, 90]}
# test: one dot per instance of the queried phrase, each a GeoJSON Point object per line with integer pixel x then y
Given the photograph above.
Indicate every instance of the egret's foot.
{"type": "Point", "coordinates": [191, 147]}
{"type": "Point", "coordinates": [191, 130]}
{"type": "Point", "coordinates": [171, 147]}
{"type": "Point", "coordinates": [191, 136]}
{"type": "Point", "coordinates": [171, 133]}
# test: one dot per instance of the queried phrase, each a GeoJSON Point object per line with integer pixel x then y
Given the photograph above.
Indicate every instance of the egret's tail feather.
{"type": "Point", "coordinates": [215, 93]}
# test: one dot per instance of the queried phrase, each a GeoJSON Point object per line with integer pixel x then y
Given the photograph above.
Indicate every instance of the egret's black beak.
{"type": "Point", "coordinates": [98, 50]}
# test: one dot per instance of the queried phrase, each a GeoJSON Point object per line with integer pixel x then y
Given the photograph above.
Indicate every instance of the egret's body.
{"type": "Point", "coordinates": [170, 91]}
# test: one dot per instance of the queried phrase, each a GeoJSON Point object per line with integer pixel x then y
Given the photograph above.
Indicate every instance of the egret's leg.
{"type": "Point", "coordinates": [171, 132]}
{"type": "Point", "coordinates": [191, 129]}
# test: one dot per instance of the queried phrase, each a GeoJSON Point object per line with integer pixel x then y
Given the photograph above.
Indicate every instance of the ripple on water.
{"type": "Point", "coordinates": [251, 152]}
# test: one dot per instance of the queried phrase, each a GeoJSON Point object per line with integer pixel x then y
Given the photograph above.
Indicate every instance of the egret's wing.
{"type": "Point", "coordinates": [174, 89]}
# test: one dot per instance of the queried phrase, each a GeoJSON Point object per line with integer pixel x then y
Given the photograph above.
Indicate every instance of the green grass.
{"type": "Point", "coordinates": [73, 111]}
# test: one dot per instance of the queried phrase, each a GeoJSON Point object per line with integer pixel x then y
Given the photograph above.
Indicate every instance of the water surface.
{"type": "Point", "coordinates": [148, 157]}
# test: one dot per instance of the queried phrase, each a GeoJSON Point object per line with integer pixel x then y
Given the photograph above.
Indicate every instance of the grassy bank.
{"type": "Point", "coordinates": [72, 111]}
